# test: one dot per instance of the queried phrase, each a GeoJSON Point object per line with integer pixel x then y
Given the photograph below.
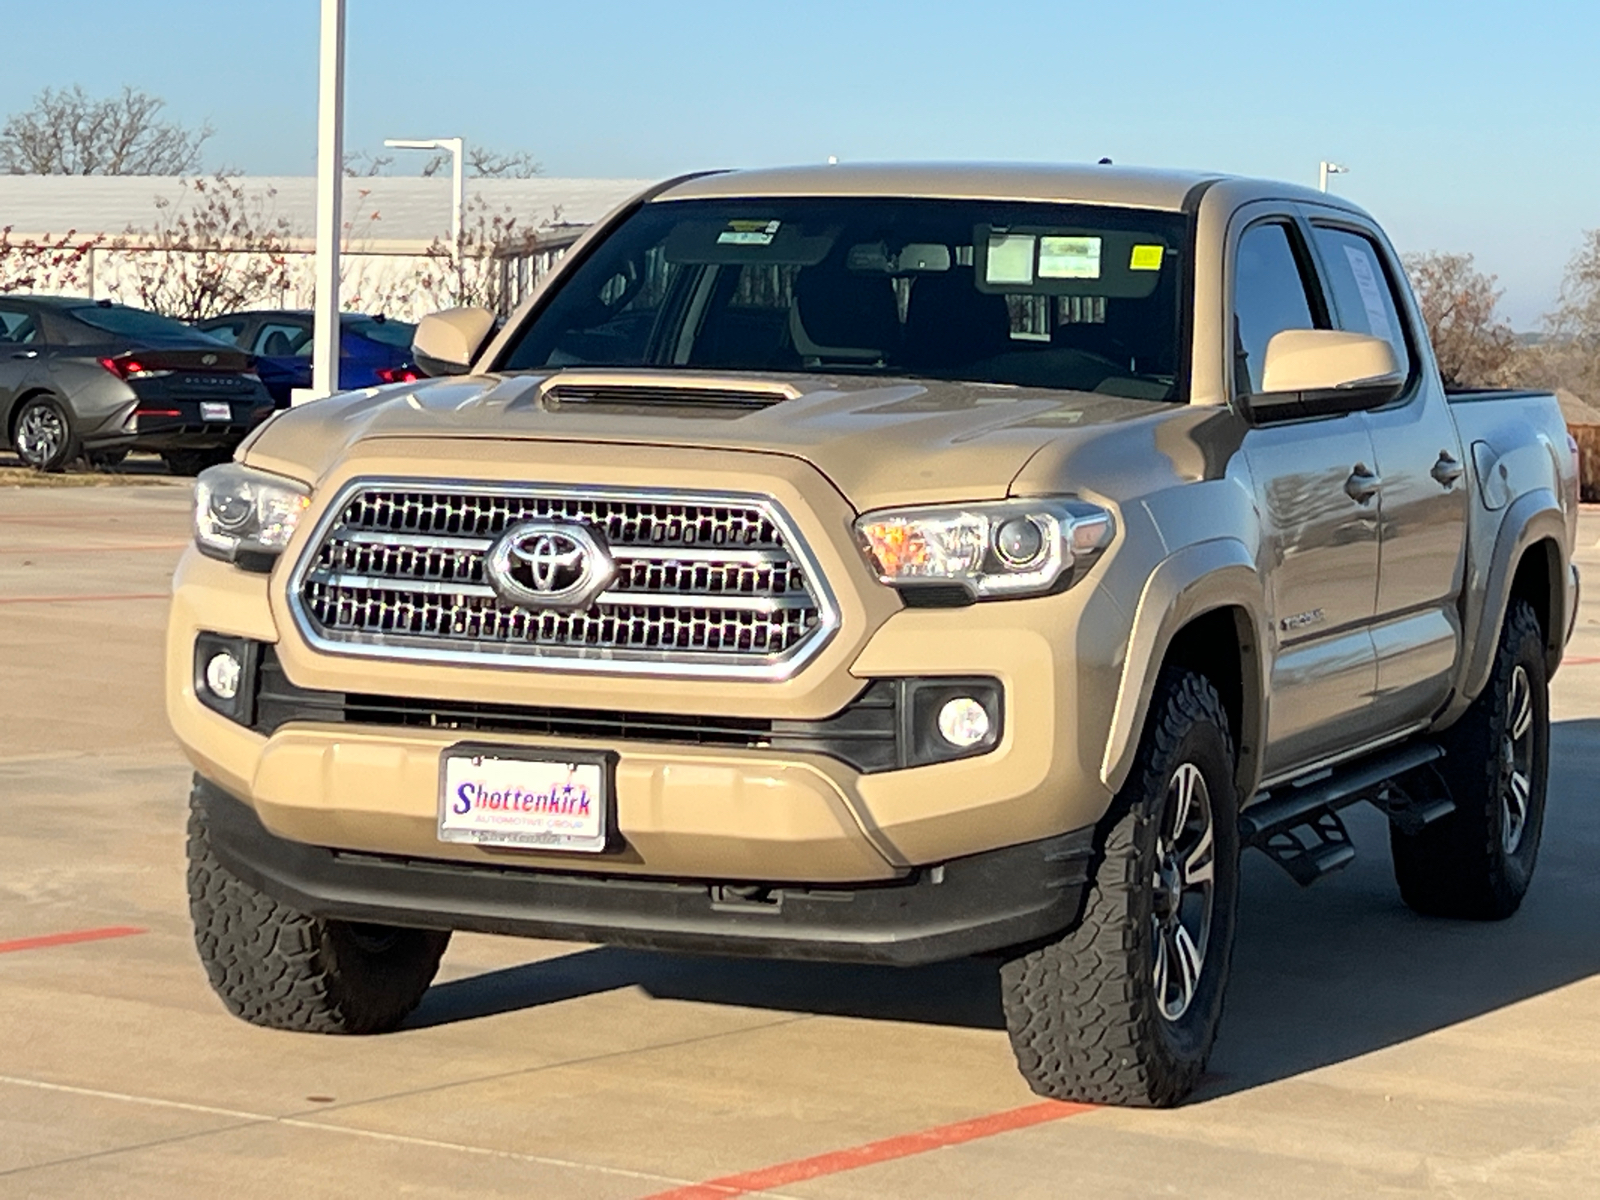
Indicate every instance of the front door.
{"type": "Point", "coordinates": [1319, 520]}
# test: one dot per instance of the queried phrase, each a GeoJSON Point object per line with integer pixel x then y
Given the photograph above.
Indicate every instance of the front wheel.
{"type": "Point", "coordinates": [1124, 1008]}
{"type": "Point", "coordinates": [280, 968]}
{"type": "Point", "coordinates": [44, 437]}
{"type": "Point", "coordinates": [1477, 862]}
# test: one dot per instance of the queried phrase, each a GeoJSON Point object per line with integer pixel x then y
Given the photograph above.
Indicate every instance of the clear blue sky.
{"type": "Point", "coordinates": [1467, 125]}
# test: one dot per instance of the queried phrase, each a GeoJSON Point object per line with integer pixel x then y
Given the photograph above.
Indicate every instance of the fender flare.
{"type": "Point", "coordinates": [1190, 582]}
{"type": "Point", "coordinates": [1533, 517]}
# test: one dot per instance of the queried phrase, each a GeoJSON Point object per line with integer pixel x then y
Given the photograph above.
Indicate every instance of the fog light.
{"type": "Point", "coordinates": [963, 722]}
{"type": "Point", "coordinates": [223, 673]}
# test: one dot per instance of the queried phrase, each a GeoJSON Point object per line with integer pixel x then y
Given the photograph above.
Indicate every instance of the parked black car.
{"type": "Point", "coordinates": [372, 349]}
{"type": "Point", "coordinates": [99, 379]}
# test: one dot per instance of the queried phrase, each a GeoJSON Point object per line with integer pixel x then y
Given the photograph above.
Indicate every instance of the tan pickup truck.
{"type": "Point", "coordinates": [884, 565]}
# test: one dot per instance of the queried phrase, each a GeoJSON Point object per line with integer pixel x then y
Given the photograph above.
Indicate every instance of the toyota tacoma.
{"type": "Point", "coordinates": [887, 565]}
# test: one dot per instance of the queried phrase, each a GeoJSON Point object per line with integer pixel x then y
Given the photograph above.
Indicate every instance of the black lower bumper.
{"type": "Point", "coordinates": [970, 906]}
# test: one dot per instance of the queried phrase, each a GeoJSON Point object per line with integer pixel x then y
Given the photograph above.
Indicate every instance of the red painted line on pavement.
{"type": "Point", "coordinates": [67, 939]}
{"type": "Point", "coordinates": [1580, 660]}
{"type": "Point", "coordinates": [83, 599]}
{"type": "Point", "coordinates": [904, 1146]}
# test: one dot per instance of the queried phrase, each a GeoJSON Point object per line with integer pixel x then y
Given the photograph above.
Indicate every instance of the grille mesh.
{"type": "Point", "coordinates": [695, 577]}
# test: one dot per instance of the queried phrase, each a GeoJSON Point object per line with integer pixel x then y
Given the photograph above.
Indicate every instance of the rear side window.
{"type": "Point", "coordinates": [1363, 293]}
{"type": "Point", "coordinates": [16, 325]}
{"type": "Point", "coordinates": [1270, 295]}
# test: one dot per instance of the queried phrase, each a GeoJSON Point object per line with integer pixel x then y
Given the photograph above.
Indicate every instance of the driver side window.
{"type": "Point", "coordinates": [1270, 295]}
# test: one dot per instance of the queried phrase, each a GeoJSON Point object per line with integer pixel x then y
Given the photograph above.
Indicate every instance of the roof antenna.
{"type": "Point", "coordinates": [1104, 162]}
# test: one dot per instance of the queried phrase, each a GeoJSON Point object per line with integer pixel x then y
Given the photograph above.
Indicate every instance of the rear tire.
{"type": "Point", "coordinates": [1124, 1008]}
{"type": "Point", "coordinates": [280, 968]}
{"type": "Point", "coordinates": [1477, 862]}
{"type": "Point", "coordinates": [44, 437]}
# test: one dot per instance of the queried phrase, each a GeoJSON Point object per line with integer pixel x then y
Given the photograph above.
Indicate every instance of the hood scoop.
{"type": "Point", "coordinates": [690, 395]}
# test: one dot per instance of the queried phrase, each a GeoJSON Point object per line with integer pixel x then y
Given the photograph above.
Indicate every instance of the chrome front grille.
{"type": "Point", "coordinates": [705, 583]}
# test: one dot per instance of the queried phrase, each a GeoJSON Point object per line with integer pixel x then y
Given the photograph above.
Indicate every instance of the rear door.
{"type": "Point", "coordinates": [1422, 492]}
{"type": "Point", "coordinates": [22, 365]}
{"type": "Point", "coordinates": [1319, 525]}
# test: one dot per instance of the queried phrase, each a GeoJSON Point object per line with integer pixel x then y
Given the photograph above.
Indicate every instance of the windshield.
{"type": "Point", "coordinates": [1036, 295]}
{"type": "Point", "coordinates": [135, 323]}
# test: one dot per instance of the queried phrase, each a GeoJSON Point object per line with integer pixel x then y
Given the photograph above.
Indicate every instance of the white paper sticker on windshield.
{"type": "Point", "coordinates": [749, 233]}
{"type": "Point", "coordinates": [1069, 258]}
{"type": "Point", "coordinates": [1010, 258]}
{"type": "Point", "coordinates": [1361, 267]}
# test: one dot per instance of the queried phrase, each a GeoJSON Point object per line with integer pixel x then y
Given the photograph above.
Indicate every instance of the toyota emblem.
{"type": "Point", "coordinates": [549, 564]}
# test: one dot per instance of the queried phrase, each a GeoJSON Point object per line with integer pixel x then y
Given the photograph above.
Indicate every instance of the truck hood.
{"type": "Point", "coordinates": [880, 441]}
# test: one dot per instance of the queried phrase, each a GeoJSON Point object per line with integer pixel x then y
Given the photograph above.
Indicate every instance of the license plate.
{"type": "Point", "coordinates": [504, 797]}
{"type": "Point", "coordinates": [214, 411]}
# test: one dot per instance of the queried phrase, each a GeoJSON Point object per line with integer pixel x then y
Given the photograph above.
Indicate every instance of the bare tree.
{"type": "Point", "coordinates": [220, 250]}
{"type": "Point", "coordinates": [54, 264]}
{"type": "Point", "coordinates": [474, 276]}
{"type": "Point", "coordinates": [484, 163]}
{"type": "Point", "coordinates": [1570, 352]}
{"type": "Point", "coordinates": [363, 164]}
{"type": "Point", "coordinates": [1474, 346]}
{"type": "Point", "coordinates": [67, 132]}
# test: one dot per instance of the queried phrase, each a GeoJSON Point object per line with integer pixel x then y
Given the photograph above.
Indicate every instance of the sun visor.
{"type": "Point", "coordinates": [1013, 260]}
{"type": "Point", "coordinates": [739, 241]}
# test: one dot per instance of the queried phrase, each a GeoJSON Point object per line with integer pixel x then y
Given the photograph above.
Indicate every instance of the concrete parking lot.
{"type": "Point", "coordinates": [1365, 1050]}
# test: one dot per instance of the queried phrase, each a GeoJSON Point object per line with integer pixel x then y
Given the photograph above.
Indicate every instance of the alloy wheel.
{"type": "Point", "coordinates": [41, 435]}
{"type": "Point", "coordinates": [1184, 885]}
{"type": "Point", "coordinates": [1516, 761]}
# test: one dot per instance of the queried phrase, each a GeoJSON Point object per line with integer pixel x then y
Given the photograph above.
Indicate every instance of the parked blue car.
{"type": "Point", "coordinates": [372, 349]}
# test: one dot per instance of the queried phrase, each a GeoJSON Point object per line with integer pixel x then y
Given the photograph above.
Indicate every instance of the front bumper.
{"type": "Point", "coordinates": [968, 906]}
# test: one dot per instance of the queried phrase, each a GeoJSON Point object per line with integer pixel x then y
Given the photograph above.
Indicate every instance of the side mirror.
{"type": "Point", "coordinates": [1322, 372]}
{"type": "Point", "coordinates": [446, 342]}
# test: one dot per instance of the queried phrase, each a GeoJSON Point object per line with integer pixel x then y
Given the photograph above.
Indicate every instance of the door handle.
{"type": "Point", "coordinates": [1446, 471]}
{"type": "Point", "coordinates": [26, 354]}
{"type": "Point", "coordinates": [1362, 485]}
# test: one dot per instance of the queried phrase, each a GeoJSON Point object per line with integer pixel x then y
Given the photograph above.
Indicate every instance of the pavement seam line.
{"type": "Point", "coordinates": [565, 1062]}
{"type": "Point", "coordinates": [253, 1120]}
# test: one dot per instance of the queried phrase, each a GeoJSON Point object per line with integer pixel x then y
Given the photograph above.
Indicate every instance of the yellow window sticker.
{"type": "Point", "coordinates": [1146, 258]}
{"type": "Point", "coordinates": [1069, 258]}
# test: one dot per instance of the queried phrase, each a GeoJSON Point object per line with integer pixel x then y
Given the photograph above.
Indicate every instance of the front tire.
{"type": "Point", "coordinates": [1124, 1008]}
{"type": "Point", "coordinates": [44, 437]}
{"type": "Point", "coordinates": [280, 968]}
{"type": "Point", "coordinates": [1477, 862]}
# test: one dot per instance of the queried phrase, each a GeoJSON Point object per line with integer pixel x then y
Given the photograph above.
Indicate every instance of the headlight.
{"type": "Point", "coordinates": [246, 516]}
{"type": "Point", "coordinates": [1010, 548]}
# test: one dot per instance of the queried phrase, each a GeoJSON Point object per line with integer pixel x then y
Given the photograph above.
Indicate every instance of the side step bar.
{"type": "Point", "coordinates": [1298, 825]}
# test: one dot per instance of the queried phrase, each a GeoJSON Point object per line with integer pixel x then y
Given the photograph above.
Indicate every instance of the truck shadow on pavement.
{"type": "Point", "coordinates": [1319, 975]}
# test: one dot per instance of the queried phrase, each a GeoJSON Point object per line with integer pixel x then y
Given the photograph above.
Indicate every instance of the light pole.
{"type": "Point", "coordinates": [457, 148]}
{"type": "Point", "coordinates": [330, 217]}
{"type": "Point", "coordinates": [1329, 168]}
